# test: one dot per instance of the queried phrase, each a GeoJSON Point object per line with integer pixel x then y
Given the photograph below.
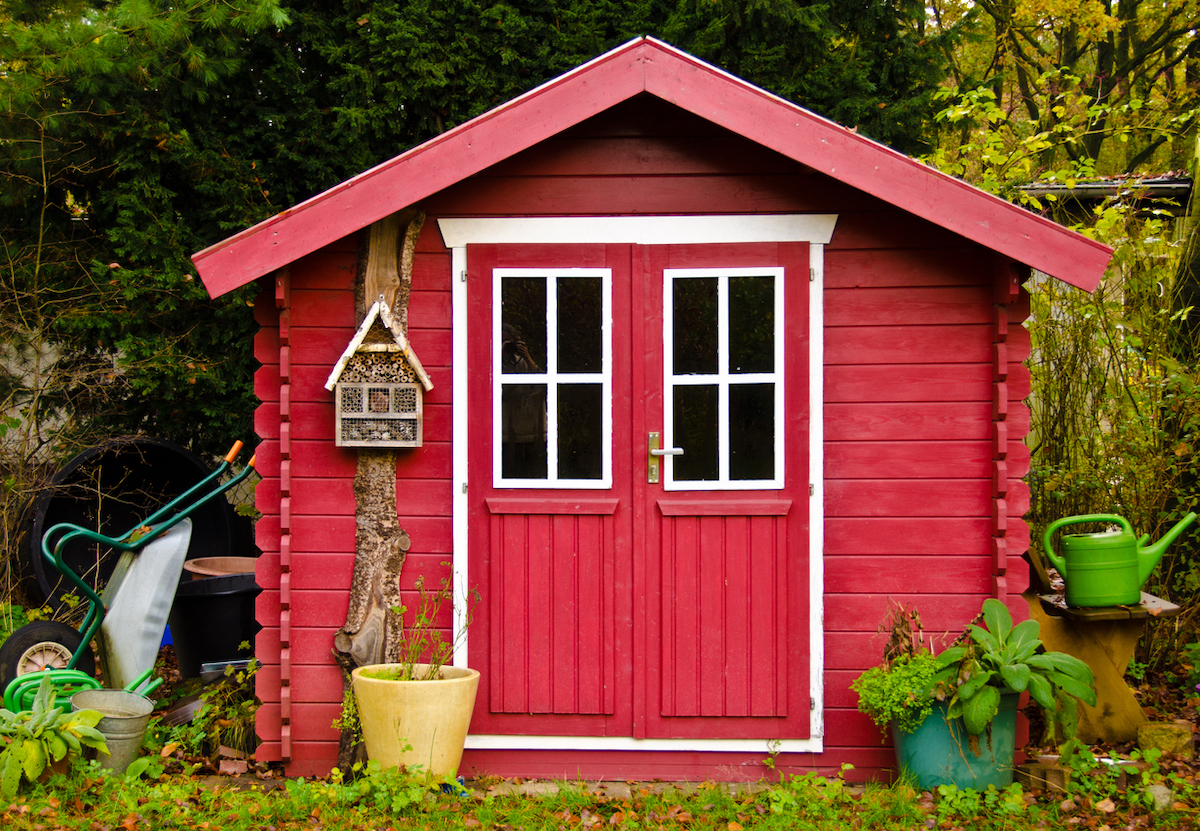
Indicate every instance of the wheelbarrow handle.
{"type": "Point", "coordinates": [138, 686]}
{"type": "Point", "coordinates": [233, 452]}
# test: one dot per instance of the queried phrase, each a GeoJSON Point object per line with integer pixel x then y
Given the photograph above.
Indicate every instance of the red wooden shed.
{"type": "Point", "coordinates": [821, 336]}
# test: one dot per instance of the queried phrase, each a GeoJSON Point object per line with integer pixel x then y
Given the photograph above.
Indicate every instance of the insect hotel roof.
{"type": "Point", "coordinates": [379, 380]}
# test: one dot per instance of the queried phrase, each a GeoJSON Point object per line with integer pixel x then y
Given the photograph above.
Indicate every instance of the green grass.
{"type": "Point", "coordinates": [86, 799]}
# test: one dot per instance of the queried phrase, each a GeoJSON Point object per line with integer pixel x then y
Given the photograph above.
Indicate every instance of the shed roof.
{"type": "Point", "coordinates": [646, 65]}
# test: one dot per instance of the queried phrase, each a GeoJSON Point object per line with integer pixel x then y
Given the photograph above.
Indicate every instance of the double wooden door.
{"type": "Point", "coordinates": [638, 489]}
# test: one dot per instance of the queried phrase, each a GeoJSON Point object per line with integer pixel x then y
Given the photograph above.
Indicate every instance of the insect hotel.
{"type": "Point", "coordinates": [378, 384]}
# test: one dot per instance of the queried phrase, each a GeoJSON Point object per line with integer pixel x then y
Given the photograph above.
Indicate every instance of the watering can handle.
{"type": "Point", "coordinates": [1058, 561]}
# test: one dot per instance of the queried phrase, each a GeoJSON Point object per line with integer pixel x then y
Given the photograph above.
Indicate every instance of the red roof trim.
{"type": "Point", "coordinates": [651, 66]}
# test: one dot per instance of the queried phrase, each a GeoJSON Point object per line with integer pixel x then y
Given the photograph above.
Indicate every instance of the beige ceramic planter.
{"type": "Point", "coordinates": [431, 716]}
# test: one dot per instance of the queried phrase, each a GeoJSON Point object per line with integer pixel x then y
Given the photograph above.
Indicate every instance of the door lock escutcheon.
{"type": "Point", "coordinates": [657, 452]}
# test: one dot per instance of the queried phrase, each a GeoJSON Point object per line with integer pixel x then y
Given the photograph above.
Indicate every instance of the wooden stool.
{"type": "Point", "coordinates": [1104, 639]}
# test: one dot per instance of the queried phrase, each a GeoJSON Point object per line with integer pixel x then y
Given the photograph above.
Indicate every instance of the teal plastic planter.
{"type": "Point", "coordinates": [941, 752]}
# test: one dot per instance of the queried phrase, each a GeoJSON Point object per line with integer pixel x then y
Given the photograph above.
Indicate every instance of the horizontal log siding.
{"type": "Point", "coordinates": [322, 504]}
{"type": "Point", "coordinates": [909, 334]}
{"type": "Point", "coordinates": [267, 388]}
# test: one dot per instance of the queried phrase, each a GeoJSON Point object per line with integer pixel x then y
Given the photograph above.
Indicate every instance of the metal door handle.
{"type": "Point", "coordinates": [657, 452]}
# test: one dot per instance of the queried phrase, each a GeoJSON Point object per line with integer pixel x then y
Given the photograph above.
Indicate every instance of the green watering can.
{"type": "Point", "coordinates": [1110, 567]}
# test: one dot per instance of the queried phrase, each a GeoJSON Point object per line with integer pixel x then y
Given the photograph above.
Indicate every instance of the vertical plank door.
{"type": "Point", "coordinates": [724, 530]}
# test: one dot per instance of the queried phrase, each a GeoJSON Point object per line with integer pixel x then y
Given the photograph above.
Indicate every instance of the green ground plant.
{"type": "Point", "coordinates": [88, 799]}
{"type": "Point", "coordinates": [37, 738]}
{"type": "Point", "coordinates": [225, 719]}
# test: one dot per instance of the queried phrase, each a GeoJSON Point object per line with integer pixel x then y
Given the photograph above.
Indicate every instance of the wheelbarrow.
{"type": "Point", "coordinates": [128, 617]}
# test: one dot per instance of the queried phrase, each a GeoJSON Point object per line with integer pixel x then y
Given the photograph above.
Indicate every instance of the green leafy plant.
{"type": "Point", "coordinates": [898, 692]}
{"type": "Point", "coordinates": [36, 738]}
{"type": "Point", "coordinates": [391, 790]}
{"type": "Point", "coordinates": [1002, 656]}
{"type": "Point", "coordinates": [967, 803]}
{"type": "Point", "coordinates": [811, 797]}
{"type": "Point", "coordinates": [227, 715]}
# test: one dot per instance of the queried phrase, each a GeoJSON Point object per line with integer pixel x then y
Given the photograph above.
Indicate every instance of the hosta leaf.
{"type": "Point", "coordinates": [1024, 640]}
{"type": "Point", "coordinates": [91, 737]}
{"type": "Point", "coordinates": [1041, 661]}
{"type": "Point", "coordinates": [980, 709]}
{"type": "Point", "coordinates": [55, 746]}
{"type": "Point", "coordinates": [984, 638]}
{"type": "Point", "coordinates": [87, 718]}
{"type": "Point", "coordinates": [997, 618]}
{"type": "Point", "coordinates": [1066, 683]}
{"type": "Point", "coordinates": [972, 685]}
{"type": "Point", "coordinates": [1071, 665]}
{"type": "Point", "coordinates": [951, 656]}
{"type": "Point", "coordinates": [71, 740]}
{"type": "Point", "coordinates": [1016, 676]}
{"type": "Point", "coordinates": [45, 695]}
{"type": "Point", "coordinates": [1041, 691]}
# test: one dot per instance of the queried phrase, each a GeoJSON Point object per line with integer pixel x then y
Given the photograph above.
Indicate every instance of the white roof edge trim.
{"type": "Point", "coordinates": [642, 230]}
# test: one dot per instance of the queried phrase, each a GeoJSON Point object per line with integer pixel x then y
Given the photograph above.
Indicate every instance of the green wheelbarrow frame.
{"type": "Point", "coordinates": [54, 543]}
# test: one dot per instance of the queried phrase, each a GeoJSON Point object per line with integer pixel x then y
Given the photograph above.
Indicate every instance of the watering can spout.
{"type": "Point", "coordinates": [1149, 555]}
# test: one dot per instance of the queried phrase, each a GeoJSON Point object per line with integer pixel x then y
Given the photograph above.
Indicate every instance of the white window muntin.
{"type": "Point", "coordinates": [723, 379]}
{"type": "Point", "coordinates": [551, 378]}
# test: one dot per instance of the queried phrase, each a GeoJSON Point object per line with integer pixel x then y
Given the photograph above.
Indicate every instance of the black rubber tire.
{"type": "Point", "coordinates": [17, 649]}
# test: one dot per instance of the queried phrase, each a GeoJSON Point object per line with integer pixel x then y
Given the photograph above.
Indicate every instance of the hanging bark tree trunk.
{"type": "Point", "coordinates": [371, 633]}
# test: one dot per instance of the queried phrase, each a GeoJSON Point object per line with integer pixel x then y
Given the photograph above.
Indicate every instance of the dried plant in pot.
{"type": "Point", "coordinates": [416, 711]}
{"type": "Point", "coordinates": [897, 692]}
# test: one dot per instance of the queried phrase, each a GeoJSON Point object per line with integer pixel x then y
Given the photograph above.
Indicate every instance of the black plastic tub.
{"type": "Point", "coordinates": [112, 487]}
{"type": "Point", "coordinates": [210, 620]}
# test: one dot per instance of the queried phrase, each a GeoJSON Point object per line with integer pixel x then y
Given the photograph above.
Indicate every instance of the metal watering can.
{"type": "Point", "coordinates": [1110, 567]}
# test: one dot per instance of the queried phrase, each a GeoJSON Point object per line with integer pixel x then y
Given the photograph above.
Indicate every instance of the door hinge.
{"type": "Point", "coordinates": [812, 275]}
{"type": "Point", "coordinates": [462, 275]}
{"type": "Point", "coordinates": [812, 490]}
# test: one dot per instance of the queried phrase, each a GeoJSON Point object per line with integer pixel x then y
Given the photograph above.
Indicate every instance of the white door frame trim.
{"type": "Point", "coordinates": [815, 229]}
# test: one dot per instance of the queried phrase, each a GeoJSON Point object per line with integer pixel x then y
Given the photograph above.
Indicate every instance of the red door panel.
{"type": "Point", "coordinates": [555, 613]}
{"type": "Point", "coordinates": [553, 638]}
{"type": "Point", "coordinates": [726, 577]}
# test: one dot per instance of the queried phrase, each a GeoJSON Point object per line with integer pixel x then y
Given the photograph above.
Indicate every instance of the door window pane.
{"type": "Point", "coordinates": [523, 324]}
{"type": "Point", "coordinates": [696, 423]}
{"type": "Point", "coordinates": [581, 325]}
{"type": "Point", "coordinates": [694, 330]}
{"type": "Point", "coordinates": [751, 431]}
{"type": "Point", "coordinates": [580, 431]}
{"type": "Point", "coordinates": [523, 431]}
{"type": "Point", "coordinates": [552, 379]}
{"type": "Point", "coordinates": [751, 324]}
{"type": "Point", "coordinates": [722, 362]}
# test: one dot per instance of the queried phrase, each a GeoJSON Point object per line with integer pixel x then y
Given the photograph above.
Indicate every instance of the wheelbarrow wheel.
{"type": "Point", "coordinates": [43, 644]}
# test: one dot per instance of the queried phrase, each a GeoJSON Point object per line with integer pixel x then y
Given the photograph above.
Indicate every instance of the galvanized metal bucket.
{"type": "Point", "coordinates": [125, 717]}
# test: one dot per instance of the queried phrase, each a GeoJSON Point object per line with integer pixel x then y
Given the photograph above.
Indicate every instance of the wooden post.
{"type": "Point", "coordinates": [371, 633]}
